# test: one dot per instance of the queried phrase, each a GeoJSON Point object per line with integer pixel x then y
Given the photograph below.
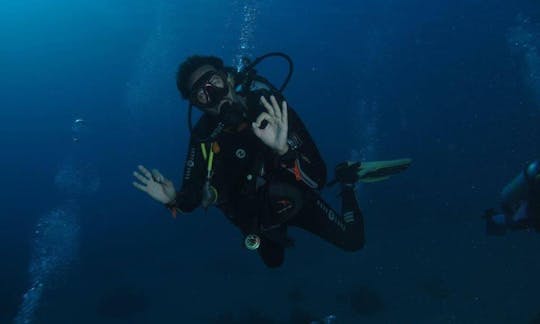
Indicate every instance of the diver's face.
{"type": "Point", "coordinates": [210, 89]}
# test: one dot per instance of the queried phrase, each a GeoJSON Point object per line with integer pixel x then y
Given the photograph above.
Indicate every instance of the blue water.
{"type": "Point", "coordinates": [455, 85]}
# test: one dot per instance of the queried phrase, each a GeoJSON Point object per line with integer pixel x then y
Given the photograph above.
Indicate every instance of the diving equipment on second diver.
{"type": "Point", "coordinates": [518, 189]}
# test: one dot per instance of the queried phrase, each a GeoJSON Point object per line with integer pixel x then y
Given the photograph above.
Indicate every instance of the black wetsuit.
{"type": "Point", "coordinates": [263, 193]}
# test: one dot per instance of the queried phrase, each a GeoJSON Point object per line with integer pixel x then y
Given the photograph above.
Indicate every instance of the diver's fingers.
{"type": "Point", "coordinates": [157, 176]}
{"type": "Point", "coordinates": [145, 172]}
{"type": "Point", "coordinates": [167, 182]}
{"type": "Point", "coordinates": [284, 113]}
{"type": "Point", "coordinates": [142, 179]}
{"type": "Point", "coordinates": [275, 106]}
{"type": "Point", "coordinates": [268, 106]}
{"type": "Point", "coordinates": [264, 116]}
{"type": "Point", "coordinates": [256, 130]}
{"type": "Point", "coordinates": [139, 186]}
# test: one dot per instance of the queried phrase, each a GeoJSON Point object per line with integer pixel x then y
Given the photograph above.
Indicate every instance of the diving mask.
{"type": "Point", "coordinates": [210, 89]}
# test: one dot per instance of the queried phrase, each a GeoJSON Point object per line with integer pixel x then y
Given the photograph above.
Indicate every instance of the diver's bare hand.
{"type": "Point", "coordinates": [155, 185]}
{"type": "Point", "coordinates": [275, 133]}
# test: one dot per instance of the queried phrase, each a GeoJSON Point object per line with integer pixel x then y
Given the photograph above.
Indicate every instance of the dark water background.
{"type": "Point", "coordinates": [452, 84]}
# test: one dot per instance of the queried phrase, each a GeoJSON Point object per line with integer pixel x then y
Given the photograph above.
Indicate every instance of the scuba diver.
{"type": "Point", "coordinates": [520, 204]}
{"type": "Point", "coordinates": [251, 156]}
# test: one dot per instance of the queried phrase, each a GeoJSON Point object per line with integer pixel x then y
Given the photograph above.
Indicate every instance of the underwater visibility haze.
{"type": "Point", "coordinates": [88, 92]}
